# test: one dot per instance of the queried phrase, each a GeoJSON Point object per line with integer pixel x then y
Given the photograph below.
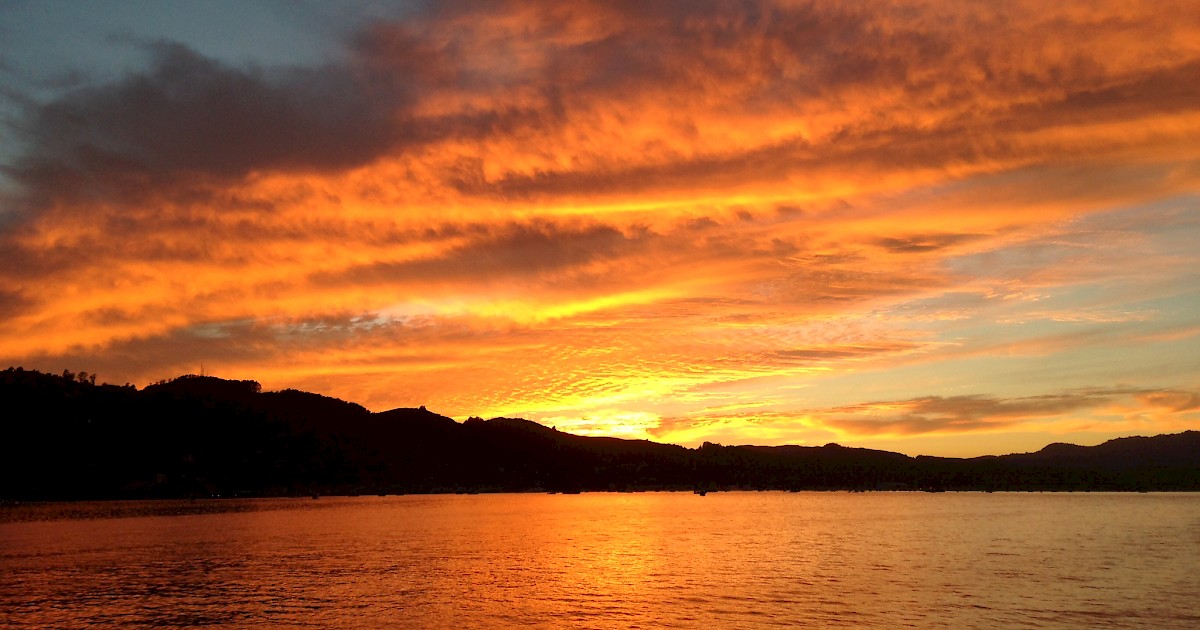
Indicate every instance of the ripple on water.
{"type": "Point", "coordinates": [609, 561]}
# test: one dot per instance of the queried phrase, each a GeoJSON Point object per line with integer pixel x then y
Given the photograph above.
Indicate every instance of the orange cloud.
{"type": "Point", "coordinates": [614, 210]}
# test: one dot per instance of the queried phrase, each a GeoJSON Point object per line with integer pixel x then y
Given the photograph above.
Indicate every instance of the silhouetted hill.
{"type": "Point", "coordinates": [1180, 450]}
{"type": "Point", "coordinates": [209, 387]}
{"type": "Point", "coordinates": [66, 437]}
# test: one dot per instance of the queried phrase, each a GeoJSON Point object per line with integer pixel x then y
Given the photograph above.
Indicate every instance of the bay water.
{"type": "Point", "coordinates": [601, 560]}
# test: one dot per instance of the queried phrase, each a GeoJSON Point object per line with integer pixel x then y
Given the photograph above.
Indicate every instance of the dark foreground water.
{"type": "Point", "coordinates": [874, 560]}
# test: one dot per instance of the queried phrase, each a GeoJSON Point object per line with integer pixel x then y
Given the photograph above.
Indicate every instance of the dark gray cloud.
{"type": "Point", "coordinates": [527, 75]}
{"type": "Point", "coordinates": [977, 412]}
{"type": "Point", "coordinates": [190, 116]}
{"type": "Point", "coordinates": [515, 250]}
{"type": "Point", "coordinates": [834, 352]}
{"type": "Point", "coordinates": [919, 243]}
{"type": "Point", "coordinates": [242, 342]}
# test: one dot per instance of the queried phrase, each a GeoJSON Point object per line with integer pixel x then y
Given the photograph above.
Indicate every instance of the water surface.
{"type": "Point", "coordinates": [873, 560]}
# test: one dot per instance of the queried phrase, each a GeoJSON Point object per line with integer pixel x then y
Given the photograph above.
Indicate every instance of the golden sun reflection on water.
{"type": "Point", "coordinates": [609, 560]}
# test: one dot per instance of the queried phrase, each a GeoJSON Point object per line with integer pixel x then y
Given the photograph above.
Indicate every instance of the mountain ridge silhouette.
{"type": "Point", "coordinates": [68, 438]}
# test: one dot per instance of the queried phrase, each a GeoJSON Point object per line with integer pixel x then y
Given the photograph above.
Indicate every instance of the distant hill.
{"type": "Point", "coordinates": [67, 438]}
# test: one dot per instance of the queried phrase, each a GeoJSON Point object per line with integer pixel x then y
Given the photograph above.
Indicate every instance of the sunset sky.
{"type": "Point", "coordinates": [941, 227]}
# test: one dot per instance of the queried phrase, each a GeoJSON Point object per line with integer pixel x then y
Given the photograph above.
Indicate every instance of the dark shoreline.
{"type": "Point", "coordinates": [69, 439]}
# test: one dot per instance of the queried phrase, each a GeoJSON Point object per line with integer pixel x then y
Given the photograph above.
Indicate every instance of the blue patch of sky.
{"type": "Point", "coordinates": [48, 47]}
